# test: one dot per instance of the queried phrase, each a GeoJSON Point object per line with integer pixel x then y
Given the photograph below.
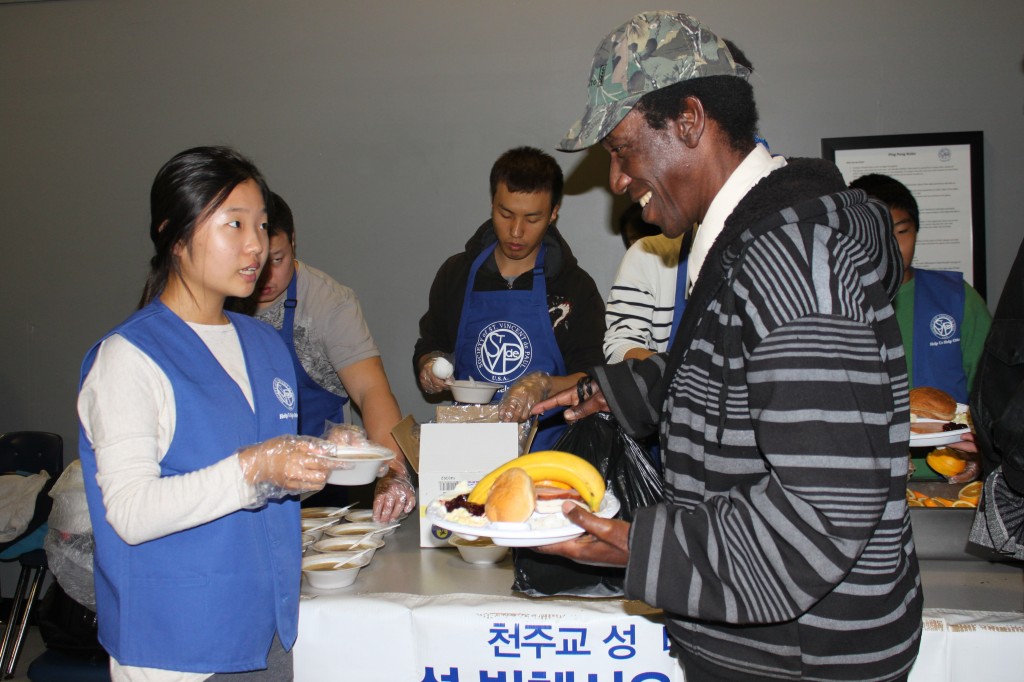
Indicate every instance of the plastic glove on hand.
{"type": "Point", "coordinates": [436, 372]}
{"type": "Point", "coordinates": [345, 434]}
{"type": "Point", "coordinates": [521, 396]}
{"type": "Point", "coordinates": [287, 465]}
{"type": "Point", "coordinates": [393, 497]}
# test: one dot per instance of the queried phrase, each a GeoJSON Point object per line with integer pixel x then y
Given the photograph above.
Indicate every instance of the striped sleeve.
{"type": "Point", "coordinates": [767, 551]}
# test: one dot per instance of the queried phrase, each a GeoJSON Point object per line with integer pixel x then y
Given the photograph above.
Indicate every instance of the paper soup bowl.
{"type": "Point", "coordinates": [355, 530]}
{"type": "Point", "coordinates": [362, 464]}
{"type": "Point", "coordinates": [309, 524]}
{"type": "Point", "coordinates": [473, 391]}
{"type": "Point", "coordinates": [479, 551]}
{"type": "Point", "coordinates": [321, 574]}
{"type": "Point", "coordinates": [359, 516]}
{"type": "Point", "coordinates": [319, 512]}
{"type": "Point", "coordinates": [342, 544]}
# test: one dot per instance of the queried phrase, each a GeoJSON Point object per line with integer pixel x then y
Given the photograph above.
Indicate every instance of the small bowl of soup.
{"type": "Point", "coordinates": [473, 392]}
{"type": "Point", "coordinates": [331, 545]}
{"type": "Point", "coordinates": [356, 530]}
{"type": "Point", "coordinates": [479, 551]}
{"type": "Point", "coordinates": [332, 571]}
{"type": "Point", "coordinates": [316, 527]}
{"type": "Point", "coordinates": [320, 512]}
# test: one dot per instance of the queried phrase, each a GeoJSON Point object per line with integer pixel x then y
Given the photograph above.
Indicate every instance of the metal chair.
{"type": "Point", "coordinates": [30, 452]}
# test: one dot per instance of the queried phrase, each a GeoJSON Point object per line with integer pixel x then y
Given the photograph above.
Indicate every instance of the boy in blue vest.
{"type": "Point", "coordinates": [943, 320]}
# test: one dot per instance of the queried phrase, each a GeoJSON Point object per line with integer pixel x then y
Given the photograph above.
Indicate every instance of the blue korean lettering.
{"type": "Point", "coordinates": [573, 641]}
{"type": "Point", "coordinates": [627, 637]}
{"type": "Point", "coordinates": [505, 641]}
{"type": "Point", "coordinates": [536, 636]}
{"type": "Point", "coordinates": [451, 676]}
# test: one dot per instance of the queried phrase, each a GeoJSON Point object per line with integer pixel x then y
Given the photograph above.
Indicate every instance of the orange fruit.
{"type": "Point", "coordinates": [931, 502]}
{"type": "Point", "coordinates": [944, 463]}
{"type": "Point", "coordinates": [971, 493]}
{"type": "Point", "coordinates": [964, 503]}
{"type": "Point", "coordinates": [943, 502]}
{"type": "Point", "coordinates": [914, 502]}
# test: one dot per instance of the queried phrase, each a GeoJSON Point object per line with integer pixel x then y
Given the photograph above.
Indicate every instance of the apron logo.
{"type": "Point", "coordinates": [943, 326]}
{"type": "Point", "coordinates": [284, 393]}
{"type": "Point", "coordinates": [503, 352]}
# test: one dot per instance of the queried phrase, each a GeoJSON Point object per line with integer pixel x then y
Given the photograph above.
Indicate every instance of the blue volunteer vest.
{"type": "Point", "coordinates": [210, 598]}
{"type": "Point", "coordinates": [938, 318]}
{"type": "Point", "coordinates": [504, 335]}
{"type": "Point", "coordinates": [317, 405]}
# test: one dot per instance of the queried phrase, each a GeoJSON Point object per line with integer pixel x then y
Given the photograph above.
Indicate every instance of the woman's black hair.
{"type": "Point", "coordinates": [189, 187]}
{"type": "Point", "coordinates": [728, 100]}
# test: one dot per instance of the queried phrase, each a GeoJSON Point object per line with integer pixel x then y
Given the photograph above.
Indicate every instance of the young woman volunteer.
{"type": "Point", "coordinates": [187, 443]}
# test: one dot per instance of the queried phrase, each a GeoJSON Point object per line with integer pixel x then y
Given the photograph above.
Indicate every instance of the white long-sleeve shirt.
{"type": "Point", "coordinates": [641, 302]}
{"type": "Point", "coordinates": [126, 407]}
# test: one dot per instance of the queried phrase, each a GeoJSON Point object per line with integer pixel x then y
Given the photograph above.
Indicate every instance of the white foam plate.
{"type": "Point", "coordinates": [540, 530]}
{"type": "Point", "coordinates": [931, 440]}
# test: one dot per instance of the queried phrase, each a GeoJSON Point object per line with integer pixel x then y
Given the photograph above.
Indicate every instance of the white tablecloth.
{"type": "Point", "coordinates": [426, 616]}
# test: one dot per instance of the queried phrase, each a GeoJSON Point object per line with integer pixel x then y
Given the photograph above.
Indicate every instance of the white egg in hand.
{"type": "Point", "coordinates": [442, 369]}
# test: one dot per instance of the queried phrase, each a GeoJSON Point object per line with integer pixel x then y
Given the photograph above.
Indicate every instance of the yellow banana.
{"type": "Point", "coordinates": [550, 465]}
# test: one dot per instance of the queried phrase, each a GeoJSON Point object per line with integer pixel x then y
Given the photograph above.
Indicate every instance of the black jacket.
{"type": "Point", "coordinates": [576, 307]}
{"type": "Point", "coordinates": [997, 403]}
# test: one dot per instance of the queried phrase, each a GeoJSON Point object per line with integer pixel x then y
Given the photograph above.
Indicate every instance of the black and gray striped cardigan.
{"type": "Point", "coordinates": [784, 546]}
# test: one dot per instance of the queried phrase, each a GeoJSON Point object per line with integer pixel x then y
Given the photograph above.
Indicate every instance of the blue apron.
{"type": "Point", "coordinates": [316, 404]}
{"type": "Point", "coordinates": [208, 598]}
{"type": "Point", "coordinates": [506, 334]}
{"type": "Point", "coordinates": [680, 305]}
{"type": "Point", "coordinates": [938, 318]}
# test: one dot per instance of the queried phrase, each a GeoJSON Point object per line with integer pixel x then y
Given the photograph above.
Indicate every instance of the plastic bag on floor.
{"type": "Point", "coordinates": [69, 541]}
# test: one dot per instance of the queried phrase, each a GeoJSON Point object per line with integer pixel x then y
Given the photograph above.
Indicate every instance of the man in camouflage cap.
{"type": "Point", "coordinates": [648, 52]}
{"type": "Point", "coordinates": [783, 549]}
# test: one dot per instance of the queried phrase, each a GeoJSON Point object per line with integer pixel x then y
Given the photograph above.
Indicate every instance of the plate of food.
{"type": "Point", "coordinates": [936, 418]}
{"type": "Point", "coordinates": [519, 503]}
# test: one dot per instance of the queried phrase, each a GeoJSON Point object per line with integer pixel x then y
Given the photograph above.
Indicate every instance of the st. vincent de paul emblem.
{"type": "Point", "coordinates": [503, 352]}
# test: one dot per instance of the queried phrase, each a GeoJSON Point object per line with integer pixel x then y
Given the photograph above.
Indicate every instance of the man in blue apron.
{"type": "Point", "coordinates": [515, 302]}
{"type": "Point", "coordinates": [335, 358]}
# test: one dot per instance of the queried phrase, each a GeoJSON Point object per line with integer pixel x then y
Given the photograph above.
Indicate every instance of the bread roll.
{"type": "Point", "coordinates": [512, 499]}
{"type": "Point", "coordinates": [931, 403]}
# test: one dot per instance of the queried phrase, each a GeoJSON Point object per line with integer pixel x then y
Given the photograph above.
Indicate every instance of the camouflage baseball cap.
{"type": "Point", "coordinates": [650, 51]}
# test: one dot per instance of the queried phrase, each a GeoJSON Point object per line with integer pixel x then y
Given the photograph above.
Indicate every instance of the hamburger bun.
{"type": "Point", "coordinates": [512, 499]}
{"type": "Point", "coordinates": [927, 402]}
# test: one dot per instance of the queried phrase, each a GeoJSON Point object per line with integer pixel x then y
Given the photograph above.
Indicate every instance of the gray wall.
{"type": "Point", "coordinates": [379, 121]}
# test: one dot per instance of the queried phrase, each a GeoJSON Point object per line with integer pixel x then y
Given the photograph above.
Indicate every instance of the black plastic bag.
{"type": "Point", "coordinates": [629, 475]}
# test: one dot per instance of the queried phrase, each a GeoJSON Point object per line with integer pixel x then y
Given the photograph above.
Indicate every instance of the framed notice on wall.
{"type": "Point", "coordinates": [944, 173]}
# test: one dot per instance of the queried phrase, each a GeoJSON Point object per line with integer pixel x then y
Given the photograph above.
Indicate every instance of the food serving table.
{"type": "Point", "coordinates": [425, 615]}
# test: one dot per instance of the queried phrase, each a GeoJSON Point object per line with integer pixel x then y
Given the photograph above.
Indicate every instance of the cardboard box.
{"type": "Point", "coordinates": [452, 453]}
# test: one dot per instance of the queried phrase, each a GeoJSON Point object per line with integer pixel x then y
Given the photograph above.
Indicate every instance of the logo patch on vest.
{"type": "Point", "coordinates": [943, 326]}
{"type": "Point", "coordinates": [284, 393]}
{"type": "Point", "coordinates": [503, 352]}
